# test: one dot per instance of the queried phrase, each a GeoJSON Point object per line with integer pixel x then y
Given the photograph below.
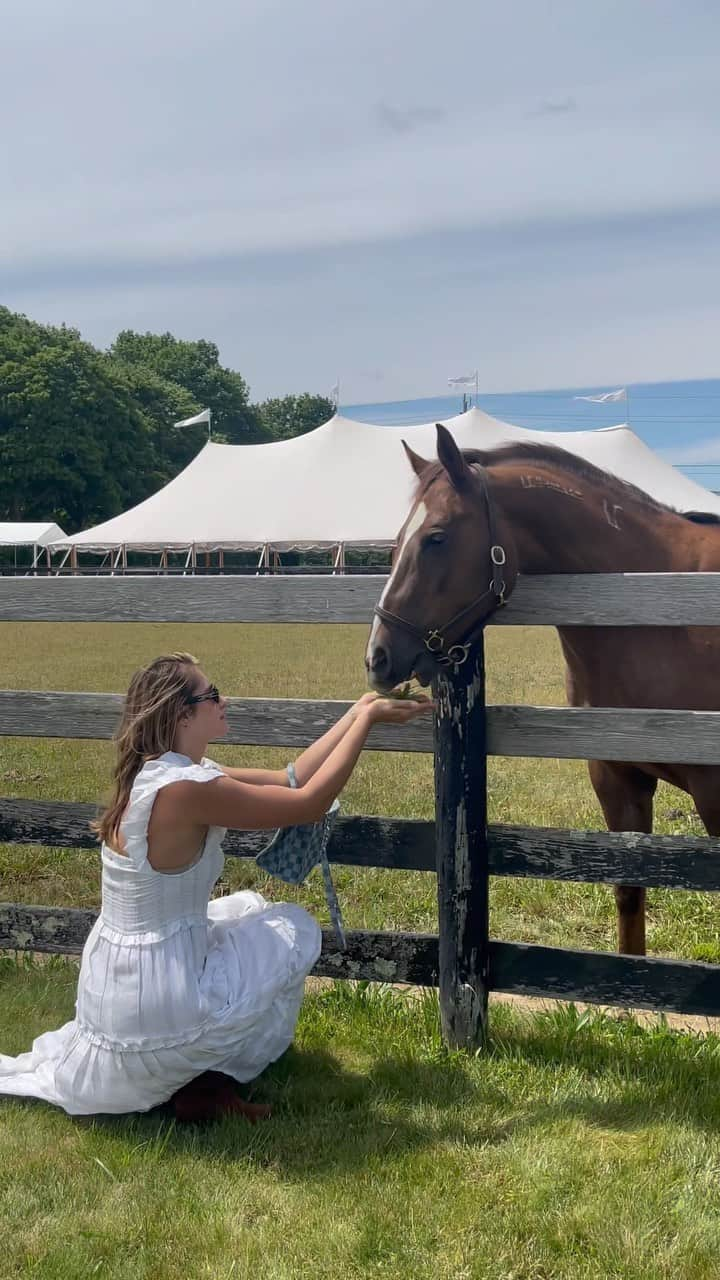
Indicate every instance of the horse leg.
{"type": "Point", "coordinates": [703, 783]}
{"type": "Point", "coordinates": [626, 798]}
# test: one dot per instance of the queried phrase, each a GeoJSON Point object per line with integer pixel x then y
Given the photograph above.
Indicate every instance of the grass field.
{"type": "Point", "coordinates": [580, 1146]}
{"type": "Point", "coordinates": [524, 665]}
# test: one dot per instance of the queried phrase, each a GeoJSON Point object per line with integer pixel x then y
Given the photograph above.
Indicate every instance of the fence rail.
{"type": "Point", "coordinates": [513, 967]}
{"type": "Point", "coordinates": [407, 844]}
{"type": "Point", "coordinates": [462, 960]}
{"type": "Point", "coordinates": [561, 733]}
{"type": "Point", "coordinates": [630, 599]}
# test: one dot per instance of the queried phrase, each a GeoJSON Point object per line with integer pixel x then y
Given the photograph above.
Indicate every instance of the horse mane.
{"type": "Point", "coordinates": [555, 456]}
{"type": "Point", "coordinates": [702, 517]}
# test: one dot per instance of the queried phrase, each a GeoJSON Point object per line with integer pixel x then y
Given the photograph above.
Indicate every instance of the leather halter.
{"type": "Point", "coordinates": [435, 639]}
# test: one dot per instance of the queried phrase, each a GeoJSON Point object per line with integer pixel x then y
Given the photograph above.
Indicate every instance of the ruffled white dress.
{"type": "Point", "coordinates": [171, 984]}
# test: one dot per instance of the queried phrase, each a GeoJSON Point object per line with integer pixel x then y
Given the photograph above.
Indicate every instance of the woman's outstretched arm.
{"type": "Point", "coordinates": [309, 761]}
{"type": "Point", "coordinates": [227, 802]}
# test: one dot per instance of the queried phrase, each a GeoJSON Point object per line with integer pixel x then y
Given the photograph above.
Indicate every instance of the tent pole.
{"type": "Point", "coordinates": [62, 562]}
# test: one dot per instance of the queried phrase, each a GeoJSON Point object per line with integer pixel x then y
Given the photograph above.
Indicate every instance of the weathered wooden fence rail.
{"type": "Point", "coordinates": [625, 600]}
{"type": "Point", "coordinates": [463, 961]}
{"type": "Point", "coordinates": [563, 733]}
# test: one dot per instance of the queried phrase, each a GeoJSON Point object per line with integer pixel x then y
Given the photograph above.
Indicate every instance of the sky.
{"type": "Point", "coordinates": [388, 193]}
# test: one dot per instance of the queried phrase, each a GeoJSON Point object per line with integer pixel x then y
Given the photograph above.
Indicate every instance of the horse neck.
{"type": "Point", "coordinates": [561, 522]}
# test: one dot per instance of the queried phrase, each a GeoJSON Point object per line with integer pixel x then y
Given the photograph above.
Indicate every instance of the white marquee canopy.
{"type": "Point", "coordinates": [346, 482]}
{"type": "Point", "coordinates": [22, 534]}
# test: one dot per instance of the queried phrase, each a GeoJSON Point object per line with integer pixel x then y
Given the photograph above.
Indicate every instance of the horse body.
{"type": "Point", "coordinates": [556, 514]}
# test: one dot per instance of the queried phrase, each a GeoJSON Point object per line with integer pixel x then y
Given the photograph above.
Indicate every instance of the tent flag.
{"type": "Point", "coordinates": [606, 397]}
{"type": "Point", "coordinates": [192, 422]}
{"type": "Point", "coordinates": [465, 380]}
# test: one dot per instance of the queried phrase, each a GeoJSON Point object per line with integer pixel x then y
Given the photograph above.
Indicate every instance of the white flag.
{"type": "Point", "coordinates": [193, 422]}
{"type": "Point", "coordinates": [335, 393]}
{"type": "Point", "coordinates": [606, 397]}
{"type": "Point", "coordinates": [467, 380]}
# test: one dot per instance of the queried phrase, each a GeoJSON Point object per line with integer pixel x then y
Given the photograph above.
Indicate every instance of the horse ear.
{"type": "Point", "coordinates": [451, 458]}
{"type": "Point", "coordinates": [417, 463]}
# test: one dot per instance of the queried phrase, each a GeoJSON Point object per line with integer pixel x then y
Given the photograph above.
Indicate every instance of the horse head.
{"type": "Point", "coordinates": [453, 565]}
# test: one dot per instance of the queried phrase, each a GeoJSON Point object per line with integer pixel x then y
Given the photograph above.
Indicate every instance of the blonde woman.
{"type": "Point", "coordinates": [181, 998]}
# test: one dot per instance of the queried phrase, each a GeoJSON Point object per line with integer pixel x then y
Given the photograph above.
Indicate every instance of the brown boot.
{"type": "Point", "coordinates": [211, 1096]}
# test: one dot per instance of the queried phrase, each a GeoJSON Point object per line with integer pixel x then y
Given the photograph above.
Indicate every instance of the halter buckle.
{"type": "Point", "coordinates": [434, 643]}
{"type": "Point", "coordinates": [497, 554]}
{"type": "Point", "coordinates": [457, 654]}
{"type": "Point", "coordinates": [498, 589]}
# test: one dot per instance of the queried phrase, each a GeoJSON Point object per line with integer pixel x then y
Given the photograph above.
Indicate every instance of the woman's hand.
{"type": "Point", "coordinates": [381, 710]}
{"type": "Point", "coordinates": [364, 701]}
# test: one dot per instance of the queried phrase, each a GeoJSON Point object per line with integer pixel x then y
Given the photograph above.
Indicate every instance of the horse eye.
{"type": "Point", "coordinates": [437, 535]}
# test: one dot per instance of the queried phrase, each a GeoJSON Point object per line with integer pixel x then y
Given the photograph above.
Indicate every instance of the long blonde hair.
{"type": "Point", "coordinates": [155, 701]}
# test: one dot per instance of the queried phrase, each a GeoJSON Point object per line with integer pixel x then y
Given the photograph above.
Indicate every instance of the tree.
{"type": "Point", "coordinates": [196, 367]}
{"type": "Point", "coordinates": [163, 403]}
{"type": "Point", "coordinates": [291, 416]}
{"type": "Point", "coordinates": [74, 445]}
{"type": "Point", "coordinates": [85, 434]}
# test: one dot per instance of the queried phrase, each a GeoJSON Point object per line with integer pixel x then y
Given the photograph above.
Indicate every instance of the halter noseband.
{"type": "Point", "coordinates": [435, 639]}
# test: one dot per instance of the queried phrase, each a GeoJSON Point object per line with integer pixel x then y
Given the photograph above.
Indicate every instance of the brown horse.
{"type": "Point", "coordinates": [526, 508]}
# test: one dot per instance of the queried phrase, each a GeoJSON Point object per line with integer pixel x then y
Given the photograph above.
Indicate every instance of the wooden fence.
{"type": "Point", "coordinates": [460, 847]}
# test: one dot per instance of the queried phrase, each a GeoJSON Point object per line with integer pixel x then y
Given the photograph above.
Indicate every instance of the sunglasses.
{"type": "Point", "coordinates": [211, 694]}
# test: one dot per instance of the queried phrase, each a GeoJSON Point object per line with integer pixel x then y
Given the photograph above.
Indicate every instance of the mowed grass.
{"type": "Point", "coordinates": [524, 666]}
{"type": "Point", "coordinates": [579, 1146]}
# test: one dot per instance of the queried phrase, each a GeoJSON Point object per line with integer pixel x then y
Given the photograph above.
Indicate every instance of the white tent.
{"type": "Point", "coordinates": [345, 483]}
{"type": "Point", "coordinates": [40, 534]}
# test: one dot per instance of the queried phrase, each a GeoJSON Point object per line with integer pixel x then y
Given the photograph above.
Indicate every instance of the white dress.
{"type": "Point", "coordinates": [170, 984]}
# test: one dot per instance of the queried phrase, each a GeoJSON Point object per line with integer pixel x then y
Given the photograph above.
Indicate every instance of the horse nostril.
{"type": "Point", "coordinates": [378, 660]}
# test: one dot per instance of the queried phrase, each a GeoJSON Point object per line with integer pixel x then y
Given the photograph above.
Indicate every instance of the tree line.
{"type": "Point", "coordinates": [85, 434]}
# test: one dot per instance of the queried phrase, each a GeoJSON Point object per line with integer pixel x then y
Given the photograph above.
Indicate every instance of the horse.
{"type": "Point", "coordinates": [534, 508]}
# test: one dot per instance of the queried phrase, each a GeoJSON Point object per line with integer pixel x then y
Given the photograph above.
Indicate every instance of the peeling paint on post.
{"type": "Point", "coordinates": [462, 853]}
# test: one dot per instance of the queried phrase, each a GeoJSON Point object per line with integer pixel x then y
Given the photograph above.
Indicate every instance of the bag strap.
{"type": "Point", "coordinates": [330, 895]}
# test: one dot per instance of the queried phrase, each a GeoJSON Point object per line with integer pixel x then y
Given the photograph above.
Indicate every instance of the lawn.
{"type": "Point", "coordinates": [579, 1146]}
{"type": "Point", "coordinates": [524, 665]}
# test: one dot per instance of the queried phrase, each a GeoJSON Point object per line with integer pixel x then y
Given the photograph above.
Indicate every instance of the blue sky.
{"type": "Point", "coordinates": [388, 192]}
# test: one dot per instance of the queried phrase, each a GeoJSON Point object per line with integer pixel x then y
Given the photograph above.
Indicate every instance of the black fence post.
{"type": "Point", "coordinates": [462, 853]}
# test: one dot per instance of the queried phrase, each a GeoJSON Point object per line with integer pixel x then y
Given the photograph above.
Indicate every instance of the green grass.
{"type": "Point", "coordinates": [524, 665]}
{"type": "Point", "coordinates": [580, 1146]}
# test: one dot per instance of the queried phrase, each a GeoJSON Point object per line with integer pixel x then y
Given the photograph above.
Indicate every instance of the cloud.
{"type": "Point", "coordinates": [357, 188]}
{"type": "Point", "coordinates": [703, 451]}
{"type": "Point", "coordinates": [555, 107]}
{"type": "Point", "coordinates": [407, 119]}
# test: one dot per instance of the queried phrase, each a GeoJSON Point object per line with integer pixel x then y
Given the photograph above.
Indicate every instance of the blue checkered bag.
{"type": "Point", "coordinates": [294, 851]}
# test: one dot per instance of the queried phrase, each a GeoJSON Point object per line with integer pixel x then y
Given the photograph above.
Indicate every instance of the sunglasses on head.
{"type": "Point", "coordinates": [211, 694]}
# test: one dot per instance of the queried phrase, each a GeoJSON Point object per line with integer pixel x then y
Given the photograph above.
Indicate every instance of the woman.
{"type": "Point", "coordinates": [180, 998]}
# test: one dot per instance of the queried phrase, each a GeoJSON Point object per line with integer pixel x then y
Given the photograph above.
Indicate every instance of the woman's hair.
{"type": "Point", "coordinates": [155, 701]}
